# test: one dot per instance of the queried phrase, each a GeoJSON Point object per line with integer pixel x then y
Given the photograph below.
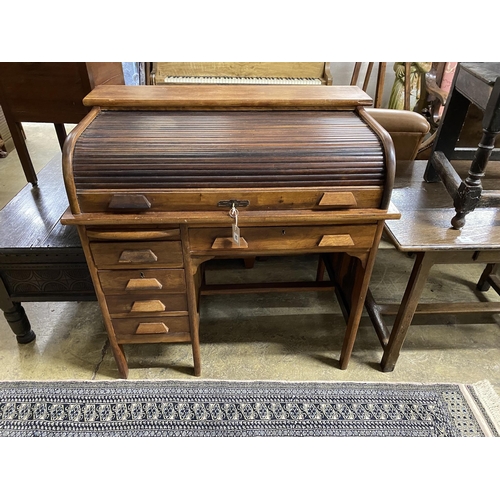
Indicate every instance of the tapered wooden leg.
{"type": "Point", "coordinates": [120, 359]}
{"type": "Point", "coordinates": [418, 278]}
{"type": "Point", "coordinates": [362, 275]}
{"type": "Point", "coordinates": [191, 269]}
{"type": "Point", "coordinates": [23, 153]}
{"type": "Point", "coordinates": [358, 299]}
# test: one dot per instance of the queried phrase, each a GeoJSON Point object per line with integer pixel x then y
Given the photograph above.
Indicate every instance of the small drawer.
{"type": "Point", "coordinates": [275, 239]}
{"type": "Point", "coordinates": [146, 281]}
{"type": "Point", "coordinates": [146, 304]}
{"type": "Point", "coordinates": [151, 254]}
{"type": "Point", "coordinates": [152, 329]}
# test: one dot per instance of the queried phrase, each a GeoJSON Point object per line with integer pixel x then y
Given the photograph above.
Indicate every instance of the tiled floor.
{"type": "Point", "coordinates": [272, 336]}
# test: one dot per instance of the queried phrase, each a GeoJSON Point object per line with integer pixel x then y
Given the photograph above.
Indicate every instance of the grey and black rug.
{"type": "Point", "coordinates": [233, 408]}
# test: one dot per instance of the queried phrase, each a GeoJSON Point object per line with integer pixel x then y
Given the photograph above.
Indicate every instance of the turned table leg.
{"type": "Point", "coordinates": [469, 191]}
{"type": "Point", "coordinates": [16, 317]}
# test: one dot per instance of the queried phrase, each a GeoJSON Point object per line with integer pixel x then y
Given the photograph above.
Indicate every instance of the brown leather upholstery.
{"type": "Point", "coordinates": [406, 128]}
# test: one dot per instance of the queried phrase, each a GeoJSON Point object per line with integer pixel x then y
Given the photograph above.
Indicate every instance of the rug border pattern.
{"type": "Point", "coordinates": [241, 408]}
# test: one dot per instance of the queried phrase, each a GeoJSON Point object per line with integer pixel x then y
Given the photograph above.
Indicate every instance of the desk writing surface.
{"type": "Point", "coordinates": [426, 213]}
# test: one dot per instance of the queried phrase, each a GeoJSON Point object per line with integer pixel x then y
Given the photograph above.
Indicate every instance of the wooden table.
{"type": "Point", "coordinates": [477, 83]}
{"type": "Point", "coordinates": [425, 231]}
{"type": "Point", "coordinates": [40, 259]}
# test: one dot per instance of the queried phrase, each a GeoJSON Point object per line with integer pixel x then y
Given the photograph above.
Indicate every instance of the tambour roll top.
{"type": "Point", "coordinates": [299, 137]}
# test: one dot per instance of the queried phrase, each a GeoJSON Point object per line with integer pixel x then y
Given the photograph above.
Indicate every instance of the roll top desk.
{"type": "Point", "coordinates": [163, 179]}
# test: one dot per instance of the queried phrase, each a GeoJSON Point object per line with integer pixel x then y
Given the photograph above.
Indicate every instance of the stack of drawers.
{"type": "Point", "coordinates": [141, 276]}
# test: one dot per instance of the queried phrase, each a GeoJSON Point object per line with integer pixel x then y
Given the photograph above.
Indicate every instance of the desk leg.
{"type": "Point", "coordinates": [192, 269]}
{"type": "Point", "coordinates": [418, 278]}
{"type": "Point", "coordinates": [362, 275]}
{"type": "Point", "coordinates": [16, 317]}
{"type": "Point", "coordinates": [356, 309]}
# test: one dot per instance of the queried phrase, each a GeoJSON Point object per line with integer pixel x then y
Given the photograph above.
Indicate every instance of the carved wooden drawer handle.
{"type": "Point", "coordinates": [336, 240]}
{"type": "Point", "coordinates": [340, 199]}
{"type": "Point", "coordinates": [151, 328]}
{"type": "Point", "coordinates": [137, 256]}
{"type": "Point", "coordinates": [143, 284]}
{"type": "Point", "coordinates": [222, 243]}
{"type": "Point", "coordinates": [148, 306]}
{"type": "Point", "coordinates": [129, 202]}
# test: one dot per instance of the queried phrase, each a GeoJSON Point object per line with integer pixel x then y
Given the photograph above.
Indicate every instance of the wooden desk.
{"type": "Point", "coordinates": [153, 175]}
{"type": "Point", "coordinates": [424, 230]}
{"type": "Point", "coordinates": [40, 260]}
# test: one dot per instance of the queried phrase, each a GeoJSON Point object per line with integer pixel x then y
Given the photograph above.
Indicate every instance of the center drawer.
{"type": "Point", "coordinates": [275, 239]}
{"type": "Point", "coordinates": [132, 254]}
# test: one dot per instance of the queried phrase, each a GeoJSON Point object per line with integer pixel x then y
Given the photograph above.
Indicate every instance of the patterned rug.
{"type": "Point", "coordinates": [264, 408]}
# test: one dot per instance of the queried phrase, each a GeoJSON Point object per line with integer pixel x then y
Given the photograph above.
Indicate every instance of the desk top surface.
{"type": "Point", "coordinates": [426, 213]}
{"type": "Point", "coordinates": [227, 96]}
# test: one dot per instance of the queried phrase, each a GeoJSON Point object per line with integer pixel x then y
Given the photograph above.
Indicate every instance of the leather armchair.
{"type": "Point", "coordinates": [407, 129]}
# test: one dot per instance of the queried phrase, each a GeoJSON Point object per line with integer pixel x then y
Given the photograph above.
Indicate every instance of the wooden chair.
{"type": "Point", "coordinates": [379, 90]}
{"type": "Point", "coordinates": [49, 92]}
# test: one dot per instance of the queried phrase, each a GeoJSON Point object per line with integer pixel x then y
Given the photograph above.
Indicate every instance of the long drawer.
{"type": "Point", "coordinates": [284, 238]}
{"type": "Point", "coordinates": [143, 281]}
{"type": "Point", "coordinates": [131, 254]}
